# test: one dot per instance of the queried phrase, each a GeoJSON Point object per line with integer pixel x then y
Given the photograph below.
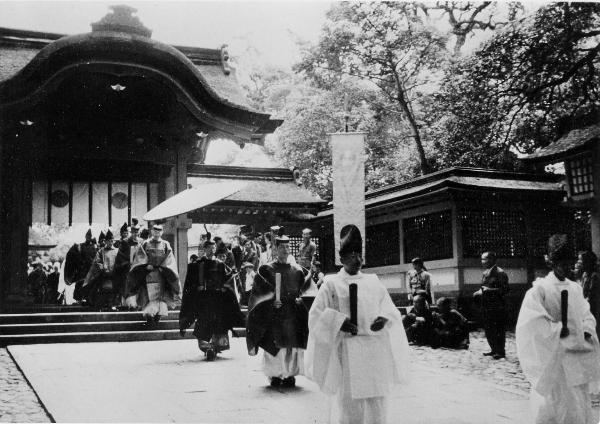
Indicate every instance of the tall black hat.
{"type": "Point", "coordinates": [209, 241]}
{"type": "Point", "coordinates": [221, 249]}
{"type": "Point", "coordinates": [350, 240]}
{"type": "Point", "coordinates": [124, 228]}
{"type": "Point", "coordinates": [101, 237]}
{"type": "Point", "coordinates": [559, 248]}
{"type": "Point", "coordinates": [109, 235]}
{"type": "Point", "coordinates": [88, 233]}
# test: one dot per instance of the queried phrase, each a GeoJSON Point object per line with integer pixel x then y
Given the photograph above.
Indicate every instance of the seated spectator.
{"type": "Point", "coordinates": [449, 327]}
{"type": "Point", "coordinates": [418, 322]}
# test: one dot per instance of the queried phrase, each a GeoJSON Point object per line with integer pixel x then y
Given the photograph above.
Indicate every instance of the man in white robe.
{"type": "Point", "coordinates": [358, 364]}
{"type": "Point", "coordinates": [560, 363]}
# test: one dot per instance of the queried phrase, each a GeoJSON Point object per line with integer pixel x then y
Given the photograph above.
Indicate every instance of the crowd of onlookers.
{"type": "Point", "coordinates": [43, 281]}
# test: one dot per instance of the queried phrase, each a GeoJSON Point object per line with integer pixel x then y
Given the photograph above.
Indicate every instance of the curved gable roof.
{"type": "Point", "coordinates": [202, 73]}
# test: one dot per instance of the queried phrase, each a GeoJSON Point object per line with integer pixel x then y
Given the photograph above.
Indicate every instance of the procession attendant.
{"type": "Point", "coordinates": [78, 261]}
{"type": "Point", "coordinates": [209, 303]}
{"type": "Point", "coordinates": [277, 318]}
{"type": "Point", "coordinates": [357, 364]}
{"type": "Point", "coordinates": [99, 282]}
{"type": "Point", "coordinates": [557, 344]}
{"type": "Point", "coordinates": [153, 281]}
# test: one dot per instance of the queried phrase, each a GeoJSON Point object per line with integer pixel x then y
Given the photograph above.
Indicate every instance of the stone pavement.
{"type": "Point", "coordinates": [18, 402]}
{"type": "Point", "coordinates": [168, 381]}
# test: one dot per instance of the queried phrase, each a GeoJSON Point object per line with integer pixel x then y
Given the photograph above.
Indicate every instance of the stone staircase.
{"type": "Point", "coordinates": [78, 325]}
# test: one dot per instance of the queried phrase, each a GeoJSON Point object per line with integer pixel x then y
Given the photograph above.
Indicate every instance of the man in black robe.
{"type": "Point", "coordinates": [278, 319]}
{"type": "Point", "coordinates": [450, 328]}
{"type": "Point", "coordinates": [127, 248]}
{"type": "Point", "coordinates": [77, 264]}
{"type": "Point", "coordinates": [209, 303]}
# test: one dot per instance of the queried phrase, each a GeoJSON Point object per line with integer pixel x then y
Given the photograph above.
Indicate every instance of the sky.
{"type": "Point", "coordinates": [269, 27]}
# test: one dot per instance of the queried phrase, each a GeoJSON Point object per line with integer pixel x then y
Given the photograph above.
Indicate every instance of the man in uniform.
{"type": "Point", "coordinates": [100, 278]}
{"type": "Point", "coordinates": [494, 286]}
{"type": "Point", "coordinates": [419, 279]}
{"type": "Point", "coordinates": [209, 303]}
{"type": "Point", "coordinates": [78, 261]}
{"type": "Point", "coordinates": [153, 278]}
{"type": "Point", "coordinates": [277, 318]}
{"type": "Point", "coordinates": [307, 250]}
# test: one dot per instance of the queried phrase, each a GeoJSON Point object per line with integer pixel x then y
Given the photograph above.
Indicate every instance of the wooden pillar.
{"type": "Point", "coordinates": [457, 245]}
{"type": "Point", "coordinates": [175, 230]}
{"type": "Point", "coordinates": [16, 186]}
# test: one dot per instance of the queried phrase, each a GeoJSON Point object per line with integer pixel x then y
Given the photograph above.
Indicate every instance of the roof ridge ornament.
{"type": "Point", "coordinates": [225, 59]}
{"type": "Point", "coordinates": [121, 19]}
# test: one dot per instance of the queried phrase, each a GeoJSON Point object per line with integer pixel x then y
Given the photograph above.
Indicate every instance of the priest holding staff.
{"type": "Point", "coordinates": [357, 348]}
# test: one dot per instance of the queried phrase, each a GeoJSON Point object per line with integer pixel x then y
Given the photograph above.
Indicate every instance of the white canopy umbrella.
{"type": "Point", "coordinates": [193, 198]}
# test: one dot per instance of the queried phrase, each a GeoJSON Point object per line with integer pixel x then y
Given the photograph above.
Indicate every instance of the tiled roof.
{"type": "Point", "coordinates": [574, 141]}
{"type": "Point", "coordinates": [19, 47]}
{"type": "Point", "coordinates": [464, 178]}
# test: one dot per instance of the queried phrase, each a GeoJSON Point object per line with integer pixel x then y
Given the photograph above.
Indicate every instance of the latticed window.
{"type": "Point", "coordinates": [574, 223]}
{"type": "Point", "coordinates": [382, 244]}
{"type": "Point", "coordinates": [581, 170]}
{"type": "Point", "coordinates": [500, 231]}
{"type": "Point", "coordinates": [428, 236]}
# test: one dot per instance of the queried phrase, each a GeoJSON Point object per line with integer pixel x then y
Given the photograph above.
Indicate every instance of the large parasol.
{"type": "Point", "coordinates": [193, 198]}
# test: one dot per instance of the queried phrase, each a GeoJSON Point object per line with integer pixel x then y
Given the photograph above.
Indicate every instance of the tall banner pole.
{"type": "Point", "coordinates": [348, 173]}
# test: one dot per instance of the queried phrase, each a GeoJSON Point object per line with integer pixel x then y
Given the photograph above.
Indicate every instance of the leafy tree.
{"type": "Point", "coordinates": [309, 115]}
{"type": "Point", "coordinates": [387, 44]}
{"type": "Point", "coordinates": [531, 82]}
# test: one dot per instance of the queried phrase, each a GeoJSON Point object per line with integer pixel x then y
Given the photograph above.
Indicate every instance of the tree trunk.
{"type": "Point", "coordinates": [414, 128]}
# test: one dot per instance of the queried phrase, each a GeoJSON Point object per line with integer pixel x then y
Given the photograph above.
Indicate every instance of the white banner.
{"type": "Point", "coordinates": [348, 173]}
{"type": "Point", "coordinates": [39, 206]}
{"type": "Point", "coordinates": [81, 203]}
{"type": "Point", "coordinates": [100, 202]}
{"type": "Point", "coordinates": [139, 200]}
{"type": "Point", "coordinates": [59, 200]}
{"type": "Point", "coordinates": [119, 204]}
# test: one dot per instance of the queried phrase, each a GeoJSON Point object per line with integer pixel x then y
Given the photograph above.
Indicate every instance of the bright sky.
{"type": "Point", "coordinates": [269, 27]}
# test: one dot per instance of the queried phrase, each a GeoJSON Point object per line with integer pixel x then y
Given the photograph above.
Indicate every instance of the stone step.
{"type": "Point", "coordinates": [101, 336]}
{"type": "Point", "coordinates": [58, 317]}
{"type": "Point", "coordinates": [93, 336]}
{"type": "Point", "coordinates": [84, 327]}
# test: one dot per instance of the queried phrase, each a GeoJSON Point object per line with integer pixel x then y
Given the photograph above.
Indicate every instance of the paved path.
{"type": "Point", "coordinates": [168, 381]}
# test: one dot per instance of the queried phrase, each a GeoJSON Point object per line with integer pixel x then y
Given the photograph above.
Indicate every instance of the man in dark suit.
{"type": "Point", "coordinates": [494, 286]}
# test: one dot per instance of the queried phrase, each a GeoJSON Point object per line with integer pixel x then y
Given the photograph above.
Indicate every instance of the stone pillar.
{"type": "Point", "coordinates": [595, 207]}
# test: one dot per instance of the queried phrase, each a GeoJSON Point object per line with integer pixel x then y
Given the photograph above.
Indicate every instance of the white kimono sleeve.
{"type": "Point", "coordinates": [322, 361]}
{"type": "Point", "coordinates": [397, 336]}
{"type": "Point", "coordinates": [538, 339]}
